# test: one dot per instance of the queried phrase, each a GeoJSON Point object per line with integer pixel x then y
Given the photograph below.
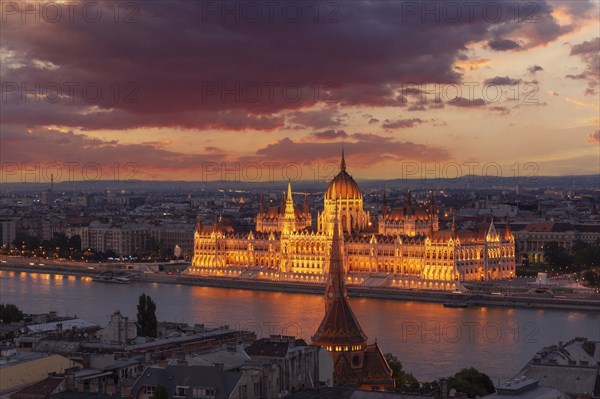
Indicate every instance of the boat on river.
{"type": "Point", "coordinates": [456, 304]}
{"type": "Point", "coordinates": [113, 278]}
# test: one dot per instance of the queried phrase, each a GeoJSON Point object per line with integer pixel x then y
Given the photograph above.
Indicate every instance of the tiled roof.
{"type": "Point", "coordinates": [374, 370]}
{"type": "Point", "coordinates": [40, 389]}
{"type": "Point", "coordinates": [223, 382]}
{"type": "Point", "coordinates": [339, 326]}
{"type": "Point", "coordinates": [26, 373]}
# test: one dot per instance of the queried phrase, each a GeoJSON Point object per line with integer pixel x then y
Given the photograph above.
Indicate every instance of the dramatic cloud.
{"type": "Point", "coordinates": [589, 51]}
{"type": "Point", "coordinates": [316, 119]}
{"type": "Point", "coordinates": [182, 82]}
{"type": "Point", "coordinates": [363, 150]}
{"type": "Point", "coordinates": [502, 81]}
{"type": "Point", "coordinates": [93, 158]}
{"type": "Point", "coordinates": [499, 109]}
{"type": "Point", "coordinates": [594, 138]}
{"type": "Point", "coordinates": [193, 65]}
{"type": "Point", "coordinates": [401, 123]}
{"type": "Point", "coordinates": [416, 107]}
{"type": "Point", "coordinates": [503, 45]}
{"type": "Point", "coordinates": [534, 68]}
{"type": "Point", "coordinates": [329, 135]}
{"type": "Point", "coordinates": [466, 103]}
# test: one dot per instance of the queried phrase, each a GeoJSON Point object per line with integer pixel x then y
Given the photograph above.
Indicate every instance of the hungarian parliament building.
{"type": "Point", "coordinates": [405, 249]}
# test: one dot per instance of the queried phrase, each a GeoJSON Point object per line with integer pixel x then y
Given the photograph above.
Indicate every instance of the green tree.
{"type": "Point", "coordinates": [405, 382]}
{"type": "Point", "coordinates": [430, 388]}
{"type": "Point", "coordinates": [394, 364]}
{"type": "Point", "coordinates": [556, 255]}
{"type": "Point", "coordinates": [586, 255]}
{"type": "Point", "coordinates": [160, 393]}
{"type": "Point", "coordinates": [472, 382]}
{"type": "Point", "coordinates": [25, 242]}
{"type": "Point", "coordinates": [10, 313]}
{"type": "Point", "coordinates": [147, 324]}
{"type": "Point", "coordinates": [591, 278]}
{"type": "Point", "coordinates": [152, 248]}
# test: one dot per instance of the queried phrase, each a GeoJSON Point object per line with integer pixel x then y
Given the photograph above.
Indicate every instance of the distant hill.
{"type": "Point", "coordinates": [464, 182]}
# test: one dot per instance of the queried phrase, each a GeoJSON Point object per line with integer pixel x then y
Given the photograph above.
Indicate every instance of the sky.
{"type": "Point", "coordinates": [273, 90]}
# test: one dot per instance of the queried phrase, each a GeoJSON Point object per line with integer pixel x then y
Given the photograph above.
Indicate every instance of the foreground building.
{"type": "Point", "coordinates": [569, 370]}
{"type": "Point", "coordinates": [404, 247]}
{"type": "Point", "coordinates": [356, 363]}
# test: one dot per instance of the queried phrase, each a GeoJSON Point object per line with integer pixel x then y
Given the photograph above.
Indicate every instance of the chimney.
{"type": "Point", "coordinates": [219, 366]}
{"type": "Point", "coordinates": [443, 388]}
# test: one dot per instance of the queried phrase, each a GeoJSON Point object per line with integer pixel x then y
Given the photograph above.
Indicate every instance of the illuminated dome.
{"type": "Point", "coordinates": [344, 185]}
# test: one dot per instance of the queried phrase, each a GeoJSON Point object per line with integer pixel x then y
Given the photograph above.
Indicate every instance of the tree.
{"type": "Point", "coordinates": [591, 278]}
{"type": "Point", "coordinates": [556, 255]}
{"type": "Point", "coordinates": [430, 388]}
{"type": "Point", "coordinates": [147, 324]}
{"type": "Point", "coordinates": [153, 248]}
{"type": "Point", "coordinates": [405, 382]}
{"type": "Point", "coordinates": [472, 382]}
{"type": "Point", "coordinates": [160, 393]}
{"type": "Point", "coordinates": [10, 313]}
{"type": "Point", "coordinates": [394, 364]}
{"type": "Point", "coordinates": [586, 255]}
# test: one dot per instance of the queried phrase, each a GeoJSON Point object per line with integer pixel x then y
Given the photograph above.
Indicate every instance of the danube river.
{"type": "Point", "coordinates": [431, 341]}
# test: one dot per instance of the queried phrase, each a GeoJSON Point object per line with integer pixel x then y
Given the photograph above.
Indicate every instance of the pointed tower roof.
{"type": "Point", "coordinates": [508, 235]}
{"type": "Point", "coordinates": [283, 202]}
{"type": "Point", "coordinates": [408, 199]}
{"type": "Point", "coordinates": [199, 221]}
{"type": "Point", "coordinates": [306, 208]}
{"type": "Point", "coordinates": [339, 326]}
{"type": "Point", "coordinates": [346, 187]}
{"type": "Point", "coordinates": [289, 193]}
{"type": "Point", "coordinates": [492, 234]}
{"type": "Point", "coordinates": [453, 228]}
{"type": "Point", "coordinates": [290, 212]}
{"type": "Point", "coordinates": [261, 206]}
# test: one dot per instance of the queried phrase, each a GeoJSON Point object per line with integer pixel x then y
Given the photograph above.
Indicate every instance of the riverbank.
{"type": "Point", "coordinates": [471, 298]}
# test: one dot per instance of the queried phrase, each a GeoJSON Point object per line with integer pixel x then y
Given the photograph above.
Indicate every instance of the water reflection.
{"type": "Point", "coordinates": [429, 339]}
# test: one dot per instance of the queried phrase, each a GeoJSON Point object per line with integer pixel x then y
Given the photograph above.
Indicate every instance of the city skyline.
{"type": "Point", "coordinates": [267, 199]}
{"type": "Point", "coordinates": [508, 84]}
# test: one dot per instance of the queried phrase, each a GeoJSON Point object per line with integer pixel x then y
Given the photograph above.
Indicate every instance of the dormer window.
{"type": "Point", "coordinates": [204, 392]}
{"type": "Point", "coordinates": [181, 391]}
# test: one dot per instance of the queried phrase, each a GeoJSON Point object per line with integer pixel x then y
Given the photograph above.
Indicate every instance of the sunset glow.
{"type": "Point", "coordinates": [185, 90]}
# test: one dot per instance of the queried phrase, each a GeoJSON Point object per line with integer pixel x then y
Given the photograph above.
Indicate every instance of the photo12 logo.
{"type": "Point", "coordinates": [269, 12]}
{"type": "Point", "coordinates": [467, 331]}
{"type": "Point", "coordinates": [268, 92]}
{"type": "Point", "coordinates": [24, 172]}
{"type": "Point", "coordinates": [55, 12]}
{"type": "Point", "coordinates": [68, 92]}
{"type": "Point", "coordinates": [455, 12]}
{"type": "Point", "coordinates": [268, 171]}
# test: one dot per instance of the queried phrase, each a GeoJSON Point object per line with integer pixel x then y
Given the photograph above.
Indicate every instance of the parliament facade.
{"type": "Point", "coordinates": [402, 248]}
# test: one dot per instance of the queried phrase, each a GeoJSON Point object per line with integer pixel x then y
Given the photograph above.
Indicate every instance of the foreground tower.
{"type": "Point", "coordinates": [355, 362]}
